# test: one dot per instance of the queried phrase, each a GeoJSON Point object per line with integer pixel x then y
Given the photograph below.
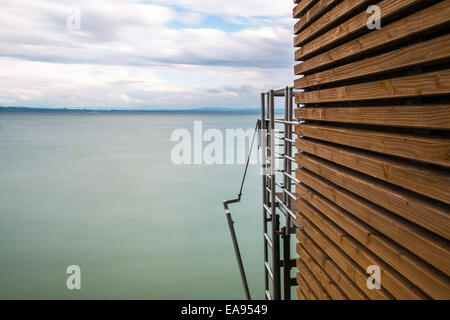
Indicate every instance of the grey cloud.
{"type": "Point", "coordinates": [128, 54]}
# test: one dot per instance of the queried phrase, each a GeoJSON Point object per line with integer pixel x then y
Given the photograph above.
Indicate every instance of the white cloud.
{"type": "Point", "coordinates": [134, 53]}
{"type": "Point", "coordinates": [236, 8]}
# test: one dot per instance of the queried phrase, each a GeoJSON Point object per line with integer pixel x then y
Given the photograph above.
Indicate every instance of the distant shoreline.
{"type": "Point", "coordinates": [121, 111]}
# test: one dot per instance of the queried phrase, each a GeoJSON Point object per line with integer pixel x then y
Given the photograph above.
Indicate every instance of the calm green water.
{"type": "Point", "coordinates": [100, 191]}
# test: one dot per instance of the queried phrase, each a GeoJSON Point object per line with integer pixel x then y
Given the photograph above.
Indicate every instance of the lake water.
{"type": "Point", "coordinates": [100, 191]}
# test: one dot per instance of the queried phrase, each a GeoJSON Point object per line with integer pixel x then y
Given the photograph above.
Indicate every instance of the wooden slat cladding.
{"type": "Point", "coordinates": [341, 10]}
{"type": "Point", "coordinates": [421, 243]}
{"type": "Point", "coordinates": [427, 181]}
{"type": "Point", "coordinates": [351, 269]}
{"type": "Point", "coordinates": [313, 283]}
{"type": "Point", "coordinates": [305, 290]}
{"type": "Point", "coordinates": [332, 269]}
{"type": "Point", "coordinates": [417, 147]}
{"type": "Point", "coordinates": [329, 284]}
{"type": "Point", "coordinates": [413, 116]}
{"type": "Point", "coordinates": [394, 282]}
{"type": "Point", "coordinates": [426, 213]}
{"type": "Point", "coordinates": [411, 56]}
{"type": "Point", "coordinates": [419, 85]}
{"type": "Point", "coordinates": [352, 26]}
{"type": "Point", "coordinates": [301, 7]}
{"type": "Point", "coordinates": [415, 25]}
{"type": "Point", "coordinates": [319, 8]}
{"type": "Point", "coordinates": [417, 272]}
{"type": "Point", "coordinates": [373, 149]}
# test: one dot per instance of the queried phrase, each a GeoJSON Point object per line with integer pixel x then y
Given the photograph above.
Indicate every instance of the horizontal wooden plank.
{"type": "Point", "coordinates": [313, 283]}
{"type": "Point", "coordinates": [411, 116]}
{"type": "Point", "coordinates": [356, 24]}
{"type": "Point", "coordinates": [339, 277]}
{"type": "Point", "coordinates": [319, 8]}
{"type": "Point", "coordinates": [329, 284]}
{"type": "Point", "coordinates": [301, 8]}
{"type": "Point", "coordinates": [422, 243]}
{"type": "Point", "coordinates": [430, 182]}
{"type": "Point", "coordinates": [432, 18]}
{"type": "Point", "coordinates": [428, 52]}
{"type": "Point", "coordinates": [353, 271]}
{"type": "Point", "coordinates": [388, 254]}
{"type": "Point", "coordinates": [420, 85]}
{"type": "Point", "coordinates": [339, 12]}
{"type": "Point", "coordinates": [417, 147]}
{"type": "Point", "coordinates": [306, 290]}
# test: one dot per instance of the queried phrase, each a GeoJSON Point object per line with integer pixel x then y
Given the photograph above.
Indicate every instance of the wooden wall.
{"type": "Point", "coordinates": [373, 149]}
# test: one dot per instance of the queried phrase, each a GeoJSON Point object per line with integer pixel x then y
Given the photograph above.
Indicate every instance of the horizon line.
{"type": "Point", "coordinates": [4, 109]}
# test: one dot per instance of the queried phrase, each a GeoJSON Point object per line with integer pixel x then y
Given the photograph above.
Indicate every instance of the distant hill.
{"type": "Point", "coordinates": [65, 110]}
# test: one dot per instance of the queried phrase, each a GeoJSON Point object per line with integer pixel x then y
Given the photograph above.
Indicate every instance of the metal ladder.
{"type": "Point", "coordinates": [275, 203]}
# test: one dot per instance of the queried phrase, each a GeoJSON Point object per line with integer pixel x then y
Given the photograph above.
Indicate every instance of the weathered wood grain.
{"type": "Point", "coordinates": [329, 284]}
{"type": "Point", "coordinates": [432, 18]}
{"type": "Point", "coordinates": [301, 8]}
{"type": "Point", "coordinates": [425, 245]}
{"type": "Point", "coordinates": [420, 85]}
{"type": "Point", "coordinates": [423, 116]}
{"type": "Point", "coordinates": [341, 10]}
{"type": "Point", "coordinates": [374, 172]}
{"type": "Point", "coordinates": [330, 267]}
{"type": "Point", "coordinates": [427, 181]}
{"type": "Point", "coordinates": [313, 283]}
{"type": "Point", "coordinates": [353, 271]}
{"type": "Point", "coordinates": [388, 254]}
{"type": "Point", "coordinates": [417, 147]}
{"type": "Point", "coordinates": [305, 289]}
{"type": "Point", "coordinates": [432, 51]}
{"type": "Point", "coordinates": [310, 15]}
{"type": "Point", "coordinates": [415, 209]}
{"type": "Point", "coordinates": [354, 25]}
{"type": "Point", "coordinates": [300, 295]}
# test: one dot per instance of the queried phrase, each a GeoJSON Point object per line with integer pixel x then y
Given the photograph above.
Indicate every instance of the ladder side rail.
{"type": "Point", "coordinates": [275, 217]}
{"type": "Point", "coordinates": [263, 140]}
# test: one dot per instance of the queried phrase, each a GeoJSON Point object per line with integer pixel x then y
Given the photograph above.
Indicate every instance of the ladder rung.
{"type": "Point", "coordinates": [289, 158]}
{"type": "Point", "coordinates": [266, 236]}
{"type": "Point", "coordinates": [268, 269]}
{"type": "Point", "coordinates": [267, 209]}
{"type": "Point", "coordinates": [290, 194]}
{"type": "Point", "coordinates": [282, 155]}
{"type": "Point", "coordinates": [279, 154]}
{"type": "Point", "coordinates": [291, 177]}
{"type": "Point", "coordinates": [287, 209]}
{"type": "Point", "coordinates": [287, 122]}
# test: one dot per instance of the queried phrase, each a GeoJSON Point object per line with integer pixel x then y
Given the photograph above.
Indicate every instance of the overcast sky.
{"type": "Point", "coordinates": [143, 54]}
